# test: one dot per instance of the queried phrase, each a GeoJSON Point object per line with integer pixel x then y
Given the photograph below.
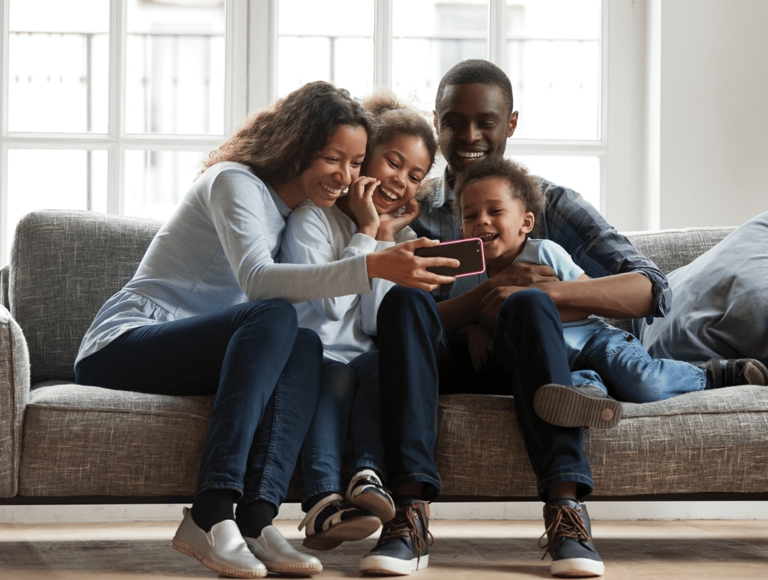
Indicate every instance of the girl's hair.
{"type": "Point", "coordinates": [280, 142]}
{"type": "Point", "coordinates": [392, 118]}
{"type": "Point", "coordinates": [520, 184]}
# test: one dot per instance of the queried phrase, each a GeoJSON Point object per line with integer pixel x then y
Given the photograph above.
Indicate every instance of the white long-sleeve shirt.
{"type": "Point", "coordinates": [345, 324]}
{"type": "Point", "coordinates": [218, 249]}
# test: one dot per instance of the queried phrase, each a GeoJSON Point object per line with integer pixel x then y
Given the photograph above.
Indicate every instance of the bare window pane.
{"type": "Point", "coordinates": [580, 173]}
{"type": "Point", "coordinates": [429, 38]}
{"type": "Point", "coordinates": [330, 41]}
{"type": "Point", "coordinates": [175, 77]}
{"type": "Point", "coordinates": [55, 179]}
{"type": "Point", "coordinates": [58, 66]}
{"type": "Point", "coordinates": [554, 65]}
{"type": "Point", "coordinates": [155, 181]}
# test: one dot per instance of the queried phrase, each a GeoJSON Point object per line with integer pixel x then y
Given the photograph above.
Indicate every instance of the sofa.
{"type": "Point", "coordinates": [65, 443]}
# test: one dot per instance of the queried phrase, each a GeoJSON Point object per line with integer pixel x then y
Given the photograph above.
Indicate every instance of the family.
{"type": "Point", "coordinates": [286, 284]}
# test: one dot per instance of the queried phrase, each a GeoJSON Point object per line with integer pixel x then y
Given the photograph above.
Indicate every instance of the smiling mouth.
{"type": "Point", "coordinates": [471, 155]}
{"type": "Point", "coordinates": [488, 238]}
{"type": "Point", "coordinates": [333, 191]}
{"type": "Point", "coordinates": [388, 195]}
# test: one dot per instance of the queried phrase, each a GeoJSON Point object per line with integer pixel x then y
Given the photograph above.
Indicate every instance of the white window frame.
{"type": "Point", "coordinates": [620, 146]}
{"type": "Point", "coordinates": [117, 141]}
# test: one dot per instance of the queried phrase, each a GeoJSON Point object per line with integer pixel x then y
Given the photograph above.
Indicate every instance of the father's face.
{"type": "Point", "coordinates": [472, 121]}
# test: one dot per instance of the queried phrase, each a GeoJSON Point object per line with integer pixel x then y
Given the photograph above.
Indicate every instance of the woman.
{"type": "Point", "coordinates": [206, 313]}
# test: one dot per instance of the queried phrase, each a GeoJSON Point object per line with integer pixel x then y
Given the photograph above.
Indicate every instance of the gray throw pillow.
{"type": "Point", "coordinates": [720, 302]}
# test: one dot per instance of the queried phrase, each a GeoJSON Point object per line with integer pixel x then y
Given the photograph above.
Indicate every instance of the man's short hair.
{"type": "Point", "coordinates": [476, 70]}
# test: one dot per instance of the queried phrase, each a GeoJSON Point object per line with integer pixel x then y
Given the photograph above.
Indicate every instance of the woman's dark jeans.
{"type": "Point", "coordinates": [263, 369]}
{"type": "Point", "coordinates": [528, 352]}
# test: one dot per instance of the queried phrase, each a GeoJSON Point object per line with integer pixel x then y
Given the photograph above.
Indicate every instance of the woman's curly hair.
{"type": "Point", "coordinates": [392, 118]}
{"type": "Point", "coordinates": [280, 142]}
{"type": "Point", "coordinates": [521, 185]}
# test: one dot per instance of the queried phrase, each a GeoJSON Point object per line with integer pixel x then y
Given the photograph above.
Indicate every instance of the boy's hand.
{"type": "Point", "coordinates": [491, 303]}
{"type": "Point", "coordinates": [480, 344]}
{"type": "Point", "coordinates": [361, 204]}
{"type": "Point", "coordinates": [524, 274]}
{"type": "Point", "coordinates": [390, 224]}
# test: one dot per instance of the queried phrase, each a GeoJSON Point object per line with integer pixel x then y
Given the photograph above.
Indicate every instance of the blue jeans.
{"type": "Point", "coordinates": [528, 352]}
{"type": "Point", "coordinates": [615, 361]}
{"type": "Point", "coordinates": [263, 370]}
{"type": "Point", "coordinates": [348, 404]}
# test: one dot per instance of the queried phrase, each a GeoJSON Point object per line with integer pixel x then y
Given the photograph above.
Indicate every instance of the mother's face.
{"type": "Point", "coordinates": [335, 167]}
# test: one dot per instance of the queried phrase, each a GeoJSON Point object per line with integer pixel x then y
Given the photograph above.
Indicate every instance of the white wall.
{"type": "Point", "coordinates": [713, 139]}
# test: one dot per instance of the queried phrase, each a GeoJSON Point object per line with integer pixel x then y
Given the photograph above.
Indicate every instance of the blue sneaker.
{"type": "Point", "coordinates": [569, 540]}
{"type": "Point", "coordinates": [404, 543]}
{"type": "Point", "coordinates": [367, 492]}
{"type": "Point", "coordinates": [332, 521]}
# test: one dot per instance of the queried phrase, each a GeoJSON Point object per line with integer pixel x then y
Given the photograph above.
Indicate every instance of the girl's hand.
{"type": "Point", "coordinates": [361, 204]}
{"type": "Point", "coordinates": [390, 224]}
{"type": "Point", "coordinates": [398, 264]}
{"type": "Point", "coordinates": [480, 345]}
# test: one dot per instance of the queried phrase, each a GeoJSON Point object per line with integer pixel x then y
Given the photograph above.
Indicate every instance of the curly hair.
{"type": "Point", "coordinates": [280, 142]}
{"type": "Point", "coordinates": [392, 118]}
{"type": "Point", "coordinates": [520, 185]}
{"type": "Point", "coordinates": [476, 70]}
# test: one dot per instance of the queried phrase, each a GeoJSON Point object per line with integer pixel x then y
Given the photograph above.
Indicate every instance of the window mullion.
{"type": "Point", "coordinates": [382, 43]}
{"type": "Point", "coordinates": [237, 65]}
{"type": "Point", "coordinates": [497, 32]}
{"type": "Point", "coordinates": [117, 40]}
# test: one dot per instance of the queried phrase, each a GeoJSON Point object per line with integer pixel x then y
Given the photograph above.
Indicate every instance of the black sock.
{"type": "Point", "coordinates": [314, 500]}
{"type": "Point", "coordinates": [254, 517]}
{"type": "Point", "coordinates": [213, 506]}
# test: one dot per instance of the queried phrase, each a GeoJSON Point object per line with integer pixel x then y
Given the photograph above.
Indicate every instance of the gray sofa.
{"type": "Point", "coordinates": [64, 442]}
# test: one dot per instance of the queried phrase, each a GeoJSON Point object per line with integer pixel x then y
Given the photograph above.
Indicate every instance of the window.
{"type": "Point", "coordinates": [113, 105]}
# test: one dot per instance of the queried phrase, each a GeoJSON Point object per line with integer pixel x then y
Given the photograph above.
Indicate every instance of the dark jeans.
{"type": "Point", "coordinates": [348, 404]}
{"type": "Point", "coordinates": [263, 369]}
{"type": "Point", "coordinates": [528, 352]}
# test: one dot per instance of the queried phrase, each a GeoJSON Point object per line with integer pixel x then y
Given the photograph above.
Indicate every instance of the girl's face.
{"type": "Point", "coordinates": [335, 167]}
{"type": "Point", "coordinates": [490, 213]}
{"type": "Point", "coordinates": [400, 164]}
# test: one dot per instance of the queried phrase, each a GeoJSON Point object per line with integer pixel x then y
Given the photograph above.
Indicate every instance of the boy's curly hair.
{"type": "Point", "coordinates": [392, 118]}
{"type": "Point", "coordinates": [280, 142]}
{"type": "Point", "coordinates": [521, 185]}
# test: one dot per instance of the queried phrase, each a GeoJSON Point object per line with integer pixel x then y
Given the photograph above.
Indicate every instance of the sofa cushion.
{"type": "Point", "coordinates": [89, 441]}
{"type": "Point", "coordinates": [720, 307]}
{"type": "Point", "coordinates": [64, 266]}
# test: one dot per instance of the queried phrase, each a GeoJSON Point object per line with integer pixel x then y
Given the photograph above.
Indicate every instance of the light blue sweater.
{"type": "Point", "coordinates": [218, 249]}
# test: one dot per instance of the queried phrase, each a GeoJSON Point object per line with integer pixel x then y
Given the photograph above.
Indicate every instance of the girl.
{"type": "Point", "coordinates": [375, 215]}
{"type": "Point", "coordinates": [203, 316]}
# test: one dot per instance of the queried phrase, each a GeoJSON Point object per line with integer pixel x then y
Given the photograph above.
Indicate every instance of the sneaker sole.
{"type": "Point", "coordinates": [388, 566]}
{"type": "Point", "coordinates": [184, 548]}
{"type": "Point", "coordinates": [376, 504]}
{"type": "Point", "coordinates": [756, 373]}
{"type": "Point", "coordinates": [566, 407]}
{"type": "Point", "coordinates": [349, 531]}
{"type": "Point", "coordinates": [577, 568]}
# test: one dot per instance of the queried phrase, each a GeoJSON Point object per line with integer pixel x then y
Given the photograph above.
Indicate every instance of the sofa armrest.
{"type": "Point", "coordinates": [5, 276]}
{"type": "Point", "coordinates": [14, 395]}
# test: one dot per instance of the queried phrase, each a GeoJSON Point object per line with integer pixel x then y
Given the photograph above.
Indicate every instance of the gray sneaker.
{"type": "Point", "coordinates": [582, 406]}
{"type": "Point", "coordinates": [734, 372]}
{"type": "Point", "coordinates": [569, 540]}
{"type": "Point", "coordinates": [280, 557]}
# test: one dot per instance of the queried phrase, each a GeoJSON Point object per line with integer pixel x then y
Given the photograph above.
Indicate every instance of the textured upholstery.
{"type": "Point", "coordinates": [80, 440]}
{"type": "Point", "coordinates": [64, 266]}
{"type": "Point", "coordinates": [4, 275]}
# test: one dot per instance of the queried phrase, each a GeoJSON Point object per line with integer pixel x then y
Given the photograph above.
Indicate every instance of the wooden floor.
{"type": "Point", "coordinates": [470, 550]}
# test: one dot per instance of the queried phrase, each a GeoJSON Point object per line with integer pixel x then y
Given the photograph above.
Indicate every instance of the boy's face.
{"type": "Point", "coordinates": [472, 121]}
{"type": "Point", "coordinates": [490, 213]}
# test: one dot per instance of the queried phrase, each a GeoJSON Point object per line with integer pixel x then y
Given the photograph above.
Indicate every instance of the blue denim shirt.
{"type": "Point", "coordinates": [568, 220]}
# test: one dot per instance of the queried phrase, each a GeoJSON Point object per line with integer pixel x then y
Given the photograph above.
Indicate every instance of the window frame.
{"type": "Point", "coordinates": [117, 141]}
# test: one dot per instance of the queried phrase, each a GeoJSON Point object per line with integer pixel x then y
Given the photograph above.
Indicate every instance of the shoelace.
{"type": "Point", "coordinates": [567, 523]}
{"type": "Point", "coordinates": [404, 525]}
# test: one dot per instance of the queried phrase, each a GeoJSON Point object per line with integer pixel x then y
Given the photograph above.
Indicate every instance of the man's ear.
{"type": "Point", "coordinates": [512, 124]}
{"type": "Point", "coordinates": [528, 221]}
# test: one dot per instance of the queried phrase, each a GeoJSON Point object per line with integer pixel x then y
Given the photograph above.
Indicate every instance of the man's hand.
{"type": "Point", "coordinates": [524, 274]}
{"type": "Point", "coordinates": [480, 345]}
{"type": "Point", "coordinates": [390, 224]}
{"type": "Point", "coordinates": [491, 303]}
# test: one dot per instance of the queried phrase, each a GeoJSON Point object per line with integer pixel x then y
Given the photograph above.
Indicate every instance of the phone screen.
{"type": "Point", "coordinates": [468, 252]}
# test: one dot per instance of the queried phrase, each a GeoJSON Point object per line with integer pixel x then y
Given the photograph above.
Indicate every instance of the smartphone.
{"type": "Point", "coordinates": [468, 252]}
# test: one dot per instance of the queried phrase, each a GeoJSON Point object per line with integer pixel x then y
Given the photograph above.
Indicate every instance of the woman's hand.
{"type": "Point", "coordinates": [390, 224]}
{"type": "Point", "coordinates": [361, 204]}
{"type": "Point", "coordinates": [400, 265]}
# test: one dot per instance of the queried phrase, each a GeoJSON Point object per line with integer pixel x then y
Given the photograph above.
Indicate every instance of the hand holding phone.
{"type": "Point", "coordinates": [468, 252]}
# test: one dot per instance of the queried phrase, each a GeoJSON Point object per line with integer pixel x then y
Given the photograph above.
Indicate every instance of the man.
{"type": "Point", "coordinates": [474, 116]}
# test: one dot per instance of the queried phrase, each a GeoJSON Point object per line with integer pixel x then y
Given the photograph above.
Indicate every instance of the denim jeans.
{"type": "Point", "coordinates": [348, 405]}
{"type": "Point", "coordinates": [615, 361]}
{"type": "Point", "coordinates": [528, 352]}
{"type": "Point", "coordinates": [263, 370]}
